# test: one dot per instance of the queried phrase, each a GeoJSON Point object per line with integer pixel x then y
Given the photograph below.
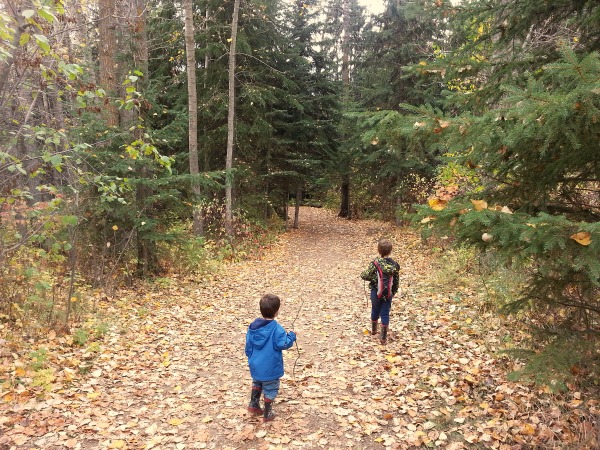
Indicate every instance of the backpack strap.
{"type": "Point", "coordinates": [381, 280]}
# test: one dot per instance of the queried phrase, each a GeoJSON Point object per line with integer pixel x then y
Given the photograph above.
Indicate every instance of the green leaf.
{"type": "Point", "coordinates": [69, 220]}
{"type": "Point", "coordinates": [24, 39]}
{"type": "Point", "coordinates": [43, 286]}
{"type": "Point", "coordinates": [48, 16]}
{"type": "Point", "coordinates": [56, 161]}
{"type": "Point", "coordinates": [42, 42]}
{"type": "Point", "coordinates": [30, 272]}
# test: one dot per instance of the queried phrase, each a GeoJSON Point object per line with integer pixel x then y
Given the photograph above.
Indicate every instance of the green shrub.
{"type": "Point", "coordinates": [81, 336]}
{"type": "Point", "coordinates": [38, 359]}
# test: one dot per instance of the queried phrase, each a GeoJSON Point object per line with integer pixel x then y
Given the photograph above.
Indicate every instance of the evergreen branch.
{"type": "Point", "coordinates": [262, 62]}
{"type": "Point", "coordinates": [566, 304]}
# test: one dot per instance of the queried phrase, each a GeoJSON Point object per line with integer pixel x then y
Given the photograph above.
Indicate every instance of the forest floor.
{"type": "Point", "coordinates": [171, 371]}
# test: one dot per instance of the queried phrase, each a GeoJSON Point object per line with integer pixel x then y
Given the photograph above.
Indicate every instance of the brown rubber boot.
{"type": "Point", "coordinates": [384, 331]}
{"type": "Point", "coordinates": [254, 406]}
{"type": "Point", "coordinates": [373, 327]}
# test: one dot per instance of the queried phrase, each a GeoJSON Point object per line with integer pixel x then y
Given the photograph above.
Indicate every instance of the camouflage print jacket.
{"type": "Point", "coordinates": [388, 266]}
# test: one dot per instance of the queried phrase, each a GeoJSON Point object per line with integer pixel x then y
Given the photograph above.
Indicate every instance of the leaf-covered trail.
{"type": "Point", "coordinates": [176, 376]}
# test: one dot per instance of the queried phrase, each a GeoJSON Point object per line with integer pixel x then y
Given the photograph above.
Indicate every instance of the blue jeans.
{"type": "Point", "coordinates": [380, 308]}
{"type": "Point", "coordinates": [270, 388]}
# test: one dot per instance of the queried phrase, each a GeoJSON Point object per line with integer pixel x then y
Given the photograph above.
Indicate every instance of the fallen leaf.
{"type": "Point", "coordinates": [479, 205]}
{"type": "Point", "coordinates": [583, 238]}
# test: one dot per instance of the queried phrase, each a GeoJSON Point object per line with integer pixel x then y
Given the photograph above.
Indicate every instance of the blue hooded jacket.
{"type": "Point", "coordinates": [265, 342]}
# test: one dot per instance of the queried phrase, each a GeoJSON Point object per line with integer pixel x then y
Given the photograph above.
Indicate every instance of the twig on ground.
{"type": "Point", "coordinates": [297, 348]}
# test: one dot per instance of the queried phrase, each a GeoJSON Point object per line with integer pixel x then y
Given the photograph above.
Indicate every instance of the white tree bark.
{"type": "Point", "coordinates": [231, 123]}
{"type": "Point", "coordinates": [190, 52]}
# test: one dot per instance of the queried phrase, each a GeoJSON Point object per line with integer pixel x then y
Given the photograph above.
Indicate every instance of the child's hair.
{"type": "Point", "coordinates": [384, 247]}
{"type": "Point", "coordinates": [269, 305]}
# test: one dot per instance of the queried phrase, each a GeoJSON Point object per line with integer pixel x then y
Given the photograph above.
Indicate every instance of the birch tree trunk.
{"type": "Point", "coordinates": [297, 205]}
{"type": "Point", "coordinates": [231, 123]}
{"type": "Point", "coordinates": [190, 52]}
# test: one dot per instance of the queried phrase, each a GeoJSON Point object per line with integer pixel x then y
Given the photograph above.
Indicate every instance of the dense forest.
{"type": "Point", "coordinates": [139, 137]}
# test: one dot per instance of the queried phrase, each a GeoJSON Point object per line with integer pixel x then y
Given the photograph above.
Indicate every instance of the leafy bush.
{"type": "Point", "coordinates": [81, 336]}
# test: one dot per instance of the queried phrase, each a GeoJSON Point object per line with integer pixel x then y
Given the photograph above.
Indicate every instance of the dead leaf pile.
{"type": "Point", "coordinates": [171, 372]}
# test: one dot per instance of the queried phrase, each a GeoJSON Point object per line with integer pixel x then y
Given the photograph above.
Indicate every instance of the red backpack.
{"type": "Point", "coordinates": [384, 282]}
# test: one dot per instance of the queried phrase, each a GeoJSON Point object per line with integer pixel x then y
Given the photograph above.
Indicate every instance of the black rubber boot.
{"type": "Point", "coordinates": [384, 331]}
{"type": "Point", "coordinates": [268, 414]}
{"type": "Point", "coordinates": [373, 327]}
{"type": "Point", "coordinates": [254, 406]}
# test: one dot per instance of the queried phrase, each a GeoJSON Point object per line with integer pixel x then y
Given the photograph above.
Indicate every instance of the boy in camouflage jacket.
{"type": "Point", "coordinates": [380, 305]}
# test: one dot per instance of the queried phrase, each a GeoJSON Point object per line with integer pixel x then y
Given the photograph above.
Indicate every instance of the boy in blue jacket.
{"type": "Point", "coordinates": [265, 342]}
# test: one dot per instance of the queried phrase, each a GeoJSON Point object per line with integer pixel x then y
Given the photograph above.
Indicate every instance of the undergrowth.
{"type": "Point", "coordinates": [546, 347]}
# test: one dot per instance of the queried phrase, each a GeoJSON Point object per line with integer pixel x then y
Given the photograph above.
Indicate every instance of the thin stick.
{"type": "Point", "coordinates": [297, 348]}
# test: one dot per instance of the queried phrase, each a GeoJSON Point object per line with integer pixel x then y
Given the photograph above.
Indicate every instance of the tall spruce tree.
{"type": "Point", "coordinates": [342, 37]}
{"type": "Point", "coordinates": [522, 125]}
{"type": "Point", "coordinates": [306, 112]}
{"type": "Point", "coordinates": [392, 173]}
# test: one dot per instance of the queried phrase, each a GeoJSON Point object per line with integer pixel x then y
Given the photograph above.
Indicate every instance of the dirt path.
{"type": "Point", "coordinates": [173, 374]}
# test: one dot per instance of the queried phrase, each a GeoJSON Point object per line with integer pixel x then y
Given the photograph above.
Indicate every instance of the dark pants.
{"type": "Point", "coordinates": [380, 308]}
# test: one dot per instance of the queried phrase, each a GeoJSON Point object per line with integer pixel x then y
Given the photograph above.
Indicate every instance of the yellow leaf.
{"type": "Point", "coordinates": [175, 421]}
{"type": "Point", "coordinates": [207, 419]}
{"type": "Point", "coordinates": [528, 430]}
{"type": "Point", "coordinates": [427, 219]}
{"type": "Point", "coordinates": [117, 444]}
{"type": "Point", "coordinates": [69, 374]}
{"type": "Point", "coordinates": [93, 395]}
{"type": "Point", "coordinates": [228, 39]}
{"type": "Point", "coordinates": [583, 238]}
{"type": "Point", "coordinates": [437, 204]}
{"type": "Point", "coordinates": [479, 204]}
{"type": "Point", "coordinates": [444, 123]}
{"type": "Point", "coordinates": [115, 227]}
